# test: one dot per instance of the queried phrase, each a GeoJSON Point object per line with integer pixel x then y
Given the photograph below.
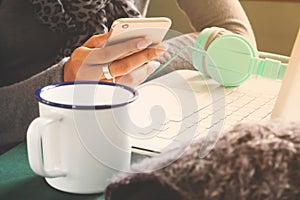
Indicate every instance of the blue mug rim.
{"type": "Point", "coordinates": [38, 93]}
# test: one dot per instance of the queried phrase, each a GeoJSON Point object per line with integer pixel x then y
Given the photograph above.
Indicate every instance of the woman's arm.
{"type": "Point", "coordinates": [227, 14]}
{"type": "Point", "coordinates": [19, 106]}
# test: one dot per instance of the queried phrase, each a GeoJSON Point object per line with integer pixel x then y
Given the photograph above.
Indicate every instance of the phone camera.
{"type": "Point", "coordinates": [125, 26]}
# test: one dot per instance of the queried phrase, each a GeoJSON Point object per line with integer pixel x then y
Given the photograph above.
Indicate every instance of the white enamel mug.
{"type": "Point", "coordinates": [76, 143]}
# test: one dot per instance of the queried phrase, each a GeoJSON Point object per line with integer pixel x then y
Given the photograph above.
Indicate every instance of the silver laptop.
{"type": "Point", "coordinates": [183, 106]}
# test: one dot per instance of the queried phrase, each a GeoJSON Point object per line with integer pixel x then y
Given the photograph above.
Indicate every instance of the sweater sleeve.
{"type": "Point", "coordinates": [19, 106]}
{"type": "Point", "coordinates": [228, 14]}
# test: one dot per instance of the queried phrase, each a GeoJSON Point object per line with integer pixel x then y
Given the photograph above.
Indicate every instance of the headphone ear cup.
{"type": "Point", "coordinates": [205, 38]}
{"type": "Point", "coordinates": [231, 56]}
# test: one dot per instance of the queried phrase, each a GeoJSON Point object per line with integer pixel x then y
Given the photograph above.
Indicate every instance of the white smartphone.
{"type": "Point", "coordinates": [153, 29]}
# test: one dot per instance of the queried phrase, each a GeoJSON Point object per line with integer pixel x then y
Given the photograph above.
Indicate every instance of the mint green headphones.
{"type": "Point", "coordinates": [231, 59]}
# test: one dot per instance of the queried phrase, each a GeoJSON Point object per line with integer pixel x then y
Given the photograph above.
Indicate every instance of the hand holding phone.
{"type": "Point", "coordinates": [124, 52]}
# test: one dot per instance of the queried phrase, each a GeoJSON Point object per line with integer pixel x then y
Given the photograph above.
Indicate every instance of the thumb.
{"type": "Point", "coordinates": [96, 40]}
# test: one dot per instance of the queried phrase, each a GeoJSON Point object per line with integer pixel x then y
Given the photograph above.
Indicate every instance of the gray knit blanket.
{"type": "Point", "coordinates": [251, 161]}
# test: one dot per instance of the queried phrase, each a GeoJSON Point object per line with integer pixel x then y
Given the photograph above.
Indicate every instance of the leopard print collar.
{"type": "Point", "coordinates": [81, 18]}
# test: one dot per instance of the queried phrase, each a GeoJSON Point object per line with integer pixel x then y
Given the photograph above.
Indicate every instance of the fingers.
{"type": "Point", "coordinates": [86, 62]}
{"type": "Point", "coordinates": [132, 62]}
{"type": "Point", "coordinates": [138, 75]}
{"type": "Point", "coordinates": [111, 53]}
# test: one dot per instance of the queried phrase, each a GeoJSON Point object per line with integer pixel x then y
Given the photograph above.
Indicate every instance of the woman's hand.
{"type": "Point", "coordinates": [128, 62]}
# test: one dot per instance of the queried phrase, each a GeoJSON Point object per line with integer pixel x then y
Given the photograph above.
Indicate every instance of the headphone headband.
{"type": "Point", "coordinates": [268, 68]}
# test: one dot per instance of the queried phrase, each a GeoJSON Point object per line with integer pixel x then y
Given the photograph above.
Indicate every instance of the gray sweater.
{"type": "Point", "coordinates": [19, 107]}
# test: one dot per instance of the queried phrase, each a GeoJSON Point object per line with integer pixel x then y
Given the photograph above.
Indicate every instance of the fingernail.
{"type": "Point", "coordinates": [160, 49]}
{"type": "Point", "coordinates": [153, 65]}
{"type": "Point", "coordinates": [143, 44]}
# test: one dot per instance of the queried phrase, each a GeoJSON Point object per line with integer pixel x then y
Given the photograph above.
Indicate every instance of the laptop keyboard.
{"type": "Point", "coordinates": [212, 111]}
{"type": "Point", "coordinates": [240, 107]}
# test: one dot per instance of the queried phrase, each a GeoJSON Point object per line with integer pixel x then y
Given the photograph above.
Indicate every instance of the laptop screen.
{"type": "Point", "coordinates": [287, 105]}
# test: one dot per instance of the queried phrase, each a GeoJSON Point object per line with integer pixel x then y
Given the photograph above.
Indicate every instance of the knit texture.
{"type": "Point", "coordinates": [258, 161]}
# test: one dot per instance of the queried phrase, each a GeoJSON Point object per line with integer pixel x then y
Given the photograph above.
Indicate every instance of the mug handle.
{"type": "Point", "coordinates": [36, 157]}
